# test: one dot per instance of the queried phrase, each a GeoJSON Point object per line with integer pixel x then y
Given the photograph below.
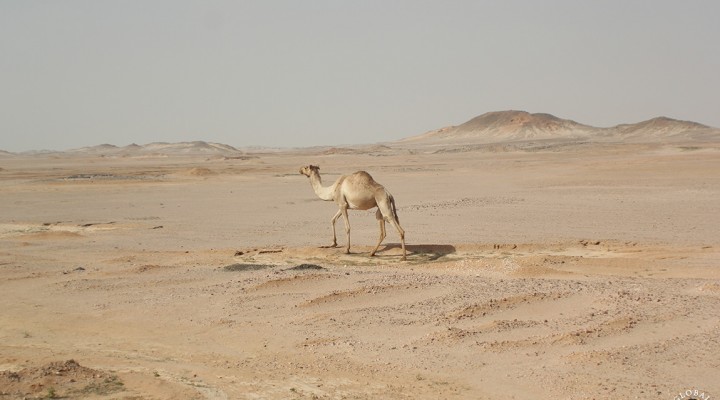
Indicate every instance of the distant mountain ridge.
{"type": "Point", "coordinates": [146, 150]}
{"type": "Point", "coordinates": [514, 125]}
{"type": "Point", "coordinates": [491, 127]}
{"type": "Point", "coordinates": [165, 148]}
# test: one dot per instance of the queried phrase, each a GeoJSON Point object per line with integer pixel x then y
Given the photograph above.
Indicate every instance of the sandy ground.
{"type": "Point", "coordinates": [583, 272]}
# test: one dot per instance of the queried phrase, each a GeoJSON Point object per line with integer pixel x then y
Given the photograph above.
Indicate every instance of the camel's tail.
{"type": "Point", "coordinates": [394, 210]}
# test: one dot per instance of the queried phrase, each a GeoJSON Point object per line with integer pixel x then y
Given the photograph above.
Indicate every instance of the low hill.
{"type": "Point", "coordinates": [509, 126]}
{"type": "Point", "coordinates": [161, 148]}
{"type": "Point", "coordinates": [660, 127]}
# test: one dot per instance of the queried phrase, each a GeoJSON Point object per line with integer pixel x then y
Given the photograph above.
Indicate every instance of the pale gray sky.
{"type": "Point", "coordinates": [302, 73]}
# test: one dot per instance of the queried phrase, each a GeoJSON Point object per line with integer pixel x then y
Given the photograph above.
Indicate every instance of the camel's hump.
{"type": "Point", "coordinates": [362, 175]}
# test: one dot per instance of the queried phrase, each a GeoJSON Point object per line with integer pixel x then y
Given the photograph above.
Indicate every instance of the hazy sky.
{"type": "Point", "coordinates": [301, 73]}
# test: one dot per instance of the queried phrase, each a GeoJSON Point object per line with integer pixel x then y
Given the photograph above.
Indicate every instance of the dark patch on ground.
{"type": "Point", "coordinates": [246, 267]}
{"type": "Point", "coordinates": [305, 267]}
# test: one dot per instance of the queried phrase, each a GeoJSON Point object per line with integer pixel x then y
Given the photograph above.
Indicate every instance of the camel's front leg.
{"type": "Point", "coordinates": [343, 210]}
{"type": "Point", "coordinates": [332, 222]}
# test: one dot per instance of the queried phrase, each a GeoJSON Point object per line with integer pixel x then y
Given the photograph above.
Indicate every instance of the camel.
{"type": "Point", "coordinates": [358, 191]}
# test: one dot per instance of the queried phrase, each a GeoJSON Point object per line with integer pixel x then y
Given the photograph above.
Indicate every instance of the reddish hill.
{"type": "Point", "coordinates": [507, 126]}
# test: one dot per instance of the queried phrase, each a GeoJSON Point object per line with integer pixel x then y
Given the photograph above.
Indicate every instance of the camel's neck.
{"type": "Point", "coordinates": [323, 192]}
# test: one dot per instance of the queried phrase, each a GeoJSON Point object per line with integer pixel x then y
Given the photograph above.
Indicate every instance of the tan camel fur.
{"type": "Point", "coordinates": [358, 191]}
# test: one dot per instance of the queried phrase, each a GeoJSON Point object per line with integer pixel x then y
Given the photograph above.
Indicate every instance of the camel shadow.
{"type": "Point", "coordinates": [422, 252]}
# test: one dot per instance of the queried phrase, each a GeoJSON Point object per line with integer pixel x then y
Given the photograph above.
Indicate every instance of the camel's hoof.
{"type": "Point", "coordinates": [332, 246]}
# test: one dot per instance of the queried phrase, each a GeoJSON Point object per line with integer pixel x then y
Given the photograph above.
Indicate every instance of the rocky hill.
{"type": "Point", "coordinates": [508, 126]}
{"type": "Point", "coordinates": [659, 127]}
{"type": "Point", "coordinates": [502, 126]}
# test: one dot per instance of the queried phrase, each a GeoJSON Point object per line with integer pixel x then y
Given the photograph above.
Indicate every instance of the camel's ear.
{"type": "Point", "coordinates": [315, 167]}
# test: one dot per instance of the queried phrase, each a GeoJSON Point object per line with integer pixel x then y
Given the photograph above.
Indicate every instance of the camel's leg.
{"type": "Point", "coordinates": [400, 230]}
{"type": "Point", "coordinates": [382, 231]}
{"type": "Point", "coordinates": [343, 210]}
{"type": "Point", "coordinates": [386, 208]}
{"type": "Point", "coordinates": [332, 222]}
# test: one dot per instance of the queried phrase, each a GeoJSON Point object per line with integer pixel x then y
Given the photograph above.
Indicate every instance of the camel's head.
{"type": "Point", "coordinates": [309, 169]}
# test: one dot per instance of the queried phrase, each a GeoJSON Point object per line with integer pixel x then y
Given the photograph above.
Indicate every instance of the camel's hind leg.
{"type": "Point", "coordinates": [387, 208]}
{"type": "Point", "coordinates": [343, 210]}
{"type": "Point", "coordinates": [381, 220]}
{"type": "Point", "coordinates": [401, 232]}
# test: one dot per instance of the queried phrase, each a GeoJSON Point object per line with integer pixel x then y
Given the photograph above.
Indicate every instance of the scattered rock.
{"type": "Point", "coordinates": [267, 251]}
{"type": "Point", "coordinates": [96, 223]}
{"type": "Point", "coordinates": [257, 251]}
{"type": "Point", "coordinates": [78, 269]}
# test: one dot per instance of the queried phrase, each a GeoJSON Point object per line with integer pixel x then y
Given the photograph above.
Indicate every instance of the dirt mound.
{"type": "Point", "coordinates": [201, 172]}
{"type": "Point", "coordinates": [60, 379]}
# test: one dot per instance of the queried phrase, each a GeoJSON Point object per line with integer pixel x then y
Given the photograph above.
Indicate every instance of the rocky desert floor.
{"type": "Point", "coordinates": [581, 271]}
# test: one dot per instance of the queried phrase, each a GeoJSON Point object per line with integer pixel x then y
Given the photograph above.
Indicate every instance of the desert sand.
{"type": "Point", "coordinates": [554, 268]}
